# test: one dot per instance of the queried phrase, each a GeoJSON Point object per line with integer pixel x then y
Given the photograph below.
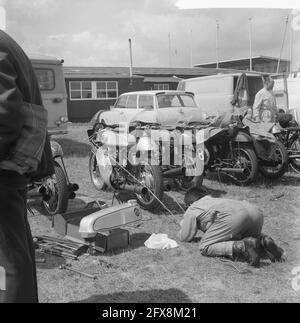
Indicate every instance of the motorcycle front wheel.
{"type": "Point", "coordinates": [95, 175]}
{"type": "Point", "coordinates": [244, 157]}
{"type": "Point", "coordinates": [151, 177]}
{"type": "Point", "coordinates": [58, 191]}
{"type": "Point", "coordinates": [280, 154]}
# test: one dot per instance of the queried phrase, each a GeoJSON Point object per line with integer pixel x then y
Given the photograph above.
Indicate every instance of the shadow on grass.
{"type": "Point", "coordinates": [137, 240]}
{"type": "Point", "coordinates": [149, 296]}
{"type": "Point", "coordinates": [287, 180]}
{"type": "Point", "coordinates": [72, 148]}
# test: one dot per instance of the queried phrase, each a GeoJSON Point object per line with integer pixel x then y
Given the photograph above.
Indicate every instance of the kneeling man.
{"type": "Point", "coordinates": [231, 229]}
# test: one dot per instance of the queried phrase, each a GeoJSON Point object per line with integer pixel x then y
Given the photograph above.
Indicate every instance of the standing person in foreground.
{"type": "Point", "coordinates": [25, 153]}
{"type": "Point", "coordinates": [231, 229]}
{"type": "Point", "coordinates": [264, 107]}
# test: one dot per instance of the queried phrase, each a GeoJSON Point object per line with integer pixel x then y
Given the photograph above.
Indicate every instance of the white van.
{"type": "Point", "coordinates": [50, 75]}
{"type": "Point", "coordinates": [214, 94]}
{"type": "Point", "coordinates": [291, 84]}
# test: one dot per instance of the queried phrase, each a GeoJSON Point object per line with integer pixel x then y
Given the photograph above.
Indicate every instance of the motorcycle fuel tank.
{"type": "Point", "coordinates": [109, 218]}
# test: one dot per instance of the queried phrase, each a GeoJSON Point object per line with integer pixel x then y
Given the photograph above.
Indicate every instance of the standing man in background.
{"type": "Point", "coordinates": [264, 107]}
{"type": "Point", "coordinates": [25, 153]}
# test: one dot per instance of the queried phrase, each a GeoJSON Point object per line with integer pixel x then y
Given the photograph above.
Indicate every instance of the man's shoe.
{"type": "Point", "coordinates": [253, 250]}
{"type": "Point", "coordinates": [248, 249]}
{"type": "Point", "coordinates": [274, 252]}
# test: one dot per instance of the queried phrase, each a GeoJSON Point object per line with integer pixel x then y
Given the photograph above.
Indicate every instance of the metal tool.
{"type": "Point", "coordinates": [64, 247]}
{"type": "Point", "coordinates": [58, 253]}
{"type": "Point", "coordinates": [67, 267]}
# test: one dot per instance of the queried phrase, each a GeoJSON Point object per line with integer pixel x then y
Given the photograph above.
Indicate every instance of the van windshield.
{"type": "Point", "coordinates": [175, 101]}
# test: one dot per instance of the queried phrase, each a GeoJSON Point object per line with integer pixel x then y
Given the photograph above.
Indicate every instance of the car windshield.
{"type": "Point", "coordinates": [175, 101]}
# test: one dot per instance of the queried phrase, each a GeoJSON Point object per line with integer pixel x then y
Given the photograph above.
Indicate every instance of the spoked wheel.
{"type": "Point", "coordinates": [189, 181]}
{"type": "Point", "coordinates": [151, 177]}
{"type": "Point", "coordinates": [244, 158]}
{"type": "Point", "coordinates": [58, 191]}
{"type": "Point", "coordinates": [280, 156]}
{"type": "Point", "coordinates": [95, 175]}
{"type": "Point", "coordinates": [295, 150]}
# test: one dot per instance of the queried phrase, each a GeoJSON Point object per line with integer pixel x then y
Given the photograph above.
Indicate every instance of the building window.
{"type": "Point", "coordinates": [45, 79]}
{"type": "Point", "coordinates": [107, 90]}
{"type": "Point", "coordinates": [161, 87]}
{"type": "Point", "coordinates": [93, 90]}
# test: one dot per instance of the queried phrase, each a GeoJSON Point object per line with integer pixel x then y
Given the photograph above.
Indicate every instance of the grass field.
{"type": "Point", "coordinates": [180, 275]}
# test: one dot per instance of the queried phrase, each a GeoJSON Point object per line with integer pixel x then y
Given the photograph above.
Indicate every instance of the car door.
{"type": "Point", "coordinates": [116, 114]}
{"type": "Point", "coordinates": [125, 109]}
{"type": "Point", "coordinates": [131, 108]}
{"type": "Point", "coordinates": [176, 108]}
{"type": "Point", "coordinates": [146, 112]}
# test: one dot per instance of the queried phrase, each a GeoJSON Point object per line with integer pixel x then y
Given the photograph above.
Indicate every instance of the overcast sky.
{"type": "Point", "coordinates": [96, 32]}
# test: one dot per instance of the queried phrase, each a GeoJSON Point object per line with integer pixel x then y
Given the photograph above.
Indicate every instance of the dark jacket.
{"type": "Point", "coordinates": [23, 120]}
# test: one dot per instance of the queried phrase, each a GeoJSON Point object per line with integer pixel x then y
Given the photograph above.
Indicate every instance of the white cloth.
{"type": "Point", "coordinates": [160, 241]}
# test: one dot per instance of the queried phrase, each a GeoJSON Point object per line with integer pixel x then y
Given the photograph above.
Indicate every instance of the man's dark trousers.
{"type": "Point", "coordinates": [17, 254]}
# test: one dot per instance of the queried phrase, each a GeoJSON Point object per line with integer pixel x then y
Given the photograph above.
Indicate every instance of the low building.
{"type": "Point", "coordinates": [263, 64]}
{"type": "Point", "coordinates": [91, 89]}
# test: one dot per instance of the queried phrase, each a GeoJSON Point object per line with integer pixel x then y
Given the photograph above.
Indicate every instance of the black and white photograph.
{"type": "Point", "coordinates": [149, 154]}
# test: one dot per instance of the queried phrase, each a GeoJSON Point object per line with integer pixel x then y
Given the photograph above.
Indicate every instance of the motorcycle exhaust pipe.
{"type": "Point", "coordinates": [294, 156]}
{"type": "Point", "coordinates": [231, 170]}
{"type": "Point", "coordinates": [135, 189]}
{"type": "Point", "coordinates": [173, 172]}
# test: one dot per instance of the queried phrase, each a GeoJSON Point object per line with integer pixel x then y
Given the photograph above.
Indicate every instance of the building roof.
{"type": "Point", "coordinates": [124, 72]}
{"type": "Point", "coordinates": [242, 61]}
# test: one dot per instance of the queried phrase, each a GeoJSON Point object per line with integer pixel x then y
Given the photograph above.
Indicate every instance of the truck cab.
{"type": "Point", "coordinates": [49, 72]}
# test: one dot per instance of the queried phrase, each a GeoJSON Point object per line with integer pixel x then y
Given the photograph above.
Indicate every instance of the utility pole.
{"type": "Point", "coordinates": [282, 45]}
{"type": "Point", "coordinates": [250, 43]}
{"type": "Point", "coordinates": [217, 42]}
{"type": "Point", "coordinates": [291, 48]}
{"type": "Point", "coordinates": [170, 50]}
{"type": "Point", "coordinates": [191, 50]}
{"type": "Point", "coordinates": [131, 61]}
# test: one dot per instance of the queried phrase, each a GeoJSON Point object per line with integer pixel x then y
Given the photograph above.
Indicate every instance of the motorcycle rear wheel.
{"type": "Point", "coordinates": [59, 192]}
{"type": "Point", "coordinates": [151, 177]}
{"type": "Point", "coordinates": [245, 157]}
{"type": "Point", "coordinates": [277, 171]}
